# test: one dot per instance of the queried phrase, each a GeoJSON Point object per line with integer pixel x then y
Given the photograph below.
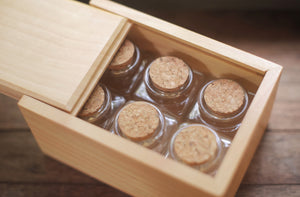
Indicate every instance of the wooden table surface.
{"type": "Point", "coordinates": [275, 168]}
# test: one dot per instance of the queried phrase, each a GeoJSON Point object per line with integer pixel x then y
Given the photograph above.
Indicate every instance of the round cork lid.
{"type": "Point", "coordinates": [94, 103]}
{"type": "Point", "coordinates": [224, 96]}
{"type": "Point", "coordinates": [138, 120]}
{"type": "Point", "coordinates": [123, 57]}
{"type": "Point", "coordinates": [168, 73]}
{"type": "Point", "coordinates": [195, 145]}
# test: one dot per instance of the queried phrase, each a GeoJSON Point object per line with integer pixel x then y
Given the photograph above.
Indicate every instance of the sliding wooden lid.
{"type": "Point", "coordinates": [51, 49]}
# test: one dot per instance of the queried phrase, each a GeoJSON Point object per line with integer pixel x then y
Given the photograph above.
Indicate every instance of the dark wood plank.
{"type": "Point", "coordinates": [22, 161]}
{"type": "Point", "coordinates": [269, 191]}
{"type": "Point", "coordinates": [208, 5]}
{"type": "Point", "coordinates": [228, 26]}
{"type": "Point", "coordinates": [58, 190]}
{"type": "Point", "coordinates": [277, 160]}
{"type": "Point", "coordinates": [285, 115]}
{"type": "Point", "coordinates": [64, 190]}
{"type": "Point", "coordinates": [10, 115]}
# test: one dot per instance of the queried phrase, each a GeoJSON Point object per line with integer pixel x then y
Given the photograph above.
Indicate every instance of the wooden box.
{"type": "Point", "coordinates": [54, 52]}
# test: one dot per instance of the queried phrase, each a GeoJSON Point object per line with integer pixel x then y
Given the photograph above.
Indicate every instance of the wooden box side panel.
{"type": "Point", "coordinates": [110, 158]}
{"type": "Point", "coordinates": [197, 59]}
{"type": "Point", "coordinates": [243, 147]}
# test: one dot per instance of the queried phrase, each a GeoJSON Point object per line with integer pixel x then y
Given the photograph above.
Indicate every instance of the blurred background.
{"type": "Point", "coordinates": [211, 4]}
{"type": "Point", "coordinates": [225, 20]}
{"type": "Point", "coordinates": [267, 28]}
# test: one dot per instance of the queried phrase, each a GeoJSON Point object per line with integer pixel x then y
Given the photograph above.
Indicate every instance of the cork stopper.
{"type": "Point", "coordinates": [195, 145]}
{"type": "Point", "coordinates": [224, 97]}
{"type": "Point", "coordinates": [94, 103]}
{"type": "Point", "coordinates": [124, 56]}
{"type": "Point", "coordinates": [168, 73]}
{"type": "Point", "coordinates": [138, 120]}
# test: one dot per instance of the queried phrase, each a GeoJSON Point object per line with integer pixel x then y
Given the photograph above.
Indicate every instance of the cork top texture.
{"type": "Point", "coordinates": [94, 103]}
{"type": "Point", "coordinates": [124, 56]}
{"type": "Point", "coordinates": [195, 145]}
{"type": "Point", "coordinates": [138, 120]}
{"type": "Point", "coordinates": [168, 73]}
{"type": "Point", "coordinates": [224, 97]}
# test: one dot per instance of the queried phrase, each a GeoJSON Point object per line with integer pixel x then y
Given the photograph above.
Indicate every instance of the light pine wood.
{"type": "Point", "coordinates": [150, 40]}
{"type": "Point", "coordinates": [52, 49]}
{"type": "Point", "coordinates": [105, 59]}
{"type": "Point", "coordinates": [107, 157]}
{"type": "Point", "coordinates": [238, 157]}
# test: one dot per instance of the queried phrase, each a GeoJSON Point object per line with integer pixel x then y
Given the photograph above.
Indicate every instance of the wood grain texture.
{"type": "Point", "coordinates": [23, 162]}
{"type": "Point", "coordinates": [10, 116]}
{"type": "Point", "coordinates": [269, 190]}
{"type": "Point", "coordinates": [104, 60]}
{"type": "Point", "coordinates": [63, 190]}
{"type": "Point", "coordinates": [58, 190]}
{"type": "Point", "coordinates": [277, 160]}
{"type": "Point", "coordinates": [51, 49]}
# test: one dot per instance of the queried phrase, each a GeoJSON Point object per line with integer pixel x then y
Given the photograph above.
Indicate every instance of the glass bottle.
{"type": "Point", "coordinates": [198, 146]}
{"type": "Point", "coordinates": [221, 104]}
{"type": "Point", "coordinates": [101, 106]}
{"type": "Point", "coordinates": [145, 124]}
{"type": "Point", "coordinates": [124, 71]}
{"type": "Point", "coordinates": [170, 83]}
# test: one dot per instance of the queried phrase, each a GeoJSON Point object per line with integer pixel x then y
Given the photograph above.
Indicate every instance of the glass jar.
{"type": "Point", "coordinates": [221, 104]}
{"type": "Point", "coordinates": [198, 146]}
{"type": "Point", "coordinates": [145, 124]}
{"type": "Point", "coordinates": [169, 82]}
{"type": "Point", "coordinates": [125, 69]}
{"type": "Point", "coordinates": [100, 106]}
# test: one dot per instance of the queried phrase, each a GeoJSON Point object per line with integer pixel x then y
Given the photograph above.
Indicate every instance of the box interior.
{"type": "Point", "coordinates": [209, 64]}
